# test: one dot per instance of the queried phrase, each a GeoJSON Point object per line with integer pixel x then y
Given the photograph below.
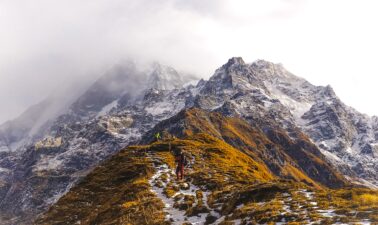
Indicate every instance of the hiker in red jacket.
{"type": "Point", "coordinates": [181, 161]}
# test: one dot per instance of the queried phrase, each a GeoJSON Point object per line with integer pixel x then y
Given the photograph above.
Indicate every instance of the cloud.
{"type": "Point", "coordinates": [47, 44]}
{"type": "Point", "coordinates": [241, 11]}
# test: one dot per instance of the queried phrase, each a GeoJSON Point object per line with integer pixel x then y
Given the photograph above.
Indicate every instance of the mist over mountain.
{"type": "Point", "coordinates": [46, 45]}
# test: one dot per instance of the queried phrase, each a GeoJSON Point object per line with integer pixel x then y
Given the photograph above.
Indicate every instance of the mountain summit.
{"type": "Point", "coordinates": [164, 78]}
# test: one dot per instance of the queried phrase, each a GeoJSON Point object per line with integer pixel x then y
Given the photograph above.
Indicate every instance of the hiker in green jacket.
{"type": "Point", "coordinates": [157, 136]}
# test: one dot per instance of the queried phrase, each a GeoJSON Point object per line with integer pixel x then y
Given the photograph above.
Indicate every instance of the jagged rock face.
{"type": "Point", "coordinates": [237, 90]}
{"type": "Point", "coordinates": [267, 94]}
{"type": "Point", "coordinates": [344, 135]}
{"type": "Point", "coordinates": [232, 78]}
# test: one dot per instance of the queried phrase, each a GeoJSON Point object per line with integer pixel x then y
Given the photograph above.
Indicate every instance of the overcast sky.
{"type": "Point", "coordinates": [48, 44]}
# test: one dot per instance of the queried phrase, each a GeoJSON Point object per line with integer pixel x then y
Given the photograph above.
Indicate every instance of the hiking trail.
{"type": "Point", "coordinates": [188, 203]}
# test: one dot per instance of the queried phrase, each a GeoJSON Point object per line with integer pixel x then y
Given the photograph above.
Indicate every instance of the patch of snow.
{"type": "Point", "coordinates": [349, 150]}
{"type": "Point", "coordinates": [308, 194]}
{"type": "Point", "coordinates": [195, 91]}
{"type": "Point", "coordinates": [362, 182]}
{"type": "Point", "coordinates": [106, 109]}
{"type": "Point", "coordinates": [237, 222]}
{"type": "Point", "coordinates": [17, 145]}
{"type": "Point", "coordinates": [56, 197]}
{"type": "Point", "coordinates": [334, 158]}
{"type": "Point", "coordinates": [47, 163]}
{"type": "Point", "coordinates": [4, 170]}
{"type": "Point", "coordinates": [282, 222]}
{"type": "Point", "coordinates": [191, 191]}
{"type": "Point", "coordinates": [192, 82]}
{"type": "Point", "coordinates": [240, 206]}
{"type": "Point", "coordinates": [286, 208]}
{"type": "Point", "coordinates": [4, 148]}
{"type": "Point", "coordinates": [326, 212]}
{"type": "Point", "coordinates": [173, 214]}
{"type": "Point", "coordinates": [297, 108]}
{"type": "Point", "coordinates": [365, 222]}
{"type": "Point", "coordinates": [219, 220]}
{"type": "Point", "coordinates": [128, 134]}
{"type": "Point", "coordinates": [159, 108]}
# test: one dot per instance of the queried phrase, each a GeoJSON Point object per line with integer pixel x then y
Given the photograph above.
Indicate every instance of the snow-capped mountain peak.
{"type": "Point", "coordinates": [164, 78]}
{"type": "Point", "coordinates": [263, 90]}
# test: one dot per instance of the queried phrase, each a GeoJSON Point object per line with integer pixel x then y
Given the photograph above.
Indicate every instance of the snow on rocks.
{"type": "Point", "coordinates": [106, 109]}
{"type": "Point", "coordinates": [159, 108]}
{"type": "Point", "coordinates": [175, 205]}
{"type": "Point", "coordinates": [327, 212]}
{"type": "Point", "coordinates": [308, 194]}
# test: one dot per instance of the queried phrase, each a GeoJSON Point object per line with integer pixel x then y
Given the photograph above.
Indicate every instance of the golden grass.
{"type": "Point", "coordinates": [130, 204]}
{"type": "Point", "coordinates": [366, 199]}
{"type": "Point", "coordinates": [263, 148]}
{"type": "Point", "coordinates": [299, 175]}
{"type": "Point", "coordinates": [117, 192]}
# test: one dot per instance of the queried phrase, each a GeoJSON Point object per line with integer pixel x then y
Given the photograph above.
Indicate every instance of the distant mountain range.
{"type": "Point", "coordinates": [288, 129]}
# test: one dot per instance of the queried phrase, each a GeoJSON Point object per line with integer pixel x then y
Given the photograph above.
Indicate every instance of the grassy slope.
{"type": "Point", "coordinates": [299, 160]}
{"type": "Point", "coordinates": [118, 192]}
{"type": "Point", "coordinates": [114, 193]}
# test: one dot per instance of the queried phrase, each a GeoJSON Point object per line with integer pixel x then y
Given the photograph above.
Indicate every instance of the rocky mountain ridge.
{"type": "Point", "coordinates": [266, 92]}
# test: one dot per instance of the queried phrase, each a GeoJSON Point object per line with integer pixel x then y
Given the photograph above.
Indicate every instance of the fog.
{"type": "Point", "coordinates": [59, 47]}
